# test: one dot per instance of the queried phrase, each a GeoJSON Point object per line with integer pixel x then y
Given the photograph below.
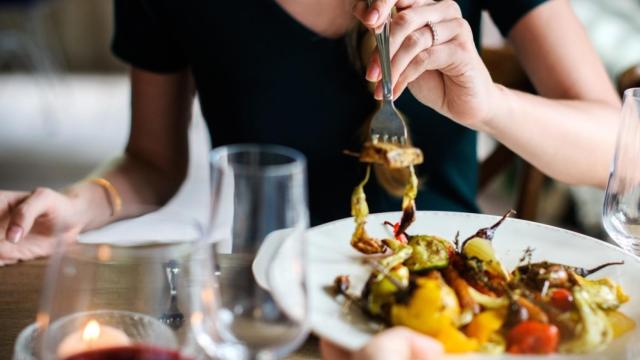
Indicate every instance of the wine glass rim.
{"type": "Point", "coordinates": [632, 93]}
{"type": "Point", "coordinates": [296, 161]}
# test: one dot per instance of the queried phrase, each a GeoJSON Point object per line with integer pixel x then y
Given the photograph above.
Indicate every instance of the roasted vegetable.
{"type": "Point", "coordinates": [455, 341]}
{"type": "Point", "coordinates": [401, 253]}
{"type": "Point", "coordinates": [532, 337]}
{"type": "Point", "coordinates": [562, 299]}
{"type": "Point", "coordinates": [478, 247]}
{"type": "Point", "coordinates": [360, 240]}
{"type": "Point", "coordinates": [485, 324]}
{"type": "Point", "coordinates": [603, 292]}
{"type": "Point", "coordinates": [408, 203]}
{"type": "Point", "coordinates": [393, 156]}
{"type": "Point", "coordinates": [400, 236]}
{"type": "Point", "coordinates": [594, 331]}
{"type": "Point", "coordinates": [538, 275]}
{"type": "Point", "coordinates": [433, 310]}
{"type": "Point", "coordinates": [620, 323]}
{"type": "Point", "coordinates": [432, 307]}
{"type": "Point", "coordinates": [429, 252]}
{"type": "Point", "coordinates": [487, 301]}
{"type": "Point", "coordinates": [467, 303]}
{"type": "Point", "coordinates": [382, 287]}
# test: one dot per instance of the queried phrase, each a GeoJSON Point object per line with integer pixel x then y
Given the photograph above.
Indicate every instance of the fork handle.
{"type": "Point", "coordinates": [382, 39]}
{"type": "Point", "coordinates": [171, 269]}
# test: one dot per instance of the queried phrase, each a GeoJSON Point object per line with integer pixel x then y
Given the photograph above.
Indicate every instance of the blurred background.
{"type": "Point", "coordinates": [64, 104]}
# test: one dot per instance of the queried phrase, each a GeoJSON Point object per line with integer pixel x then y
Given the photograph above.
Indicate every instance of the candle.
{"type": "Point", "coordinates": [93, 337]}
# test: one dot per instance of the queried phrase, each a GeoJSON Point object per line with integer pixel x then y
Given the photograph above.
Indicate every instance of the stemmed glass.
{"type": "Point", "coordinates": [259, 216]}
{"type": "Point", "coordinates": [621, 211]}
{"type": "Point", "coordinates": [129, 301]}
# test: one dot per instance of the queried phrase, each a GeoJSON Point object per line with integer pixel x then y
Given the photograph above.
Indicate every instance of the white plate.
{"type": "Point", "coordinates": [330, 255]}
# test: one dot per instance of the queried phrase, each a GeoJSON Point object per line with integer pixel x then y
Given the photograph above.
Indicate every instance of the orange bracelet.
{"type": "Point", "coordinates": [114, 195]}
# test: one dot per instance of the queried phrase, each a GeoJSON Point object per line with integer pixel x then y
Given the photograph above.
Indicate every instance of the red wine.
{"type": "Point", "coordinates": [135, 352]}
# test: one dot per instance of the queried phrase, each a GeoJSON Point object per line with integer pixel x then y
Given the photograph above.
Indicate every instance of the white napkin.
{"type": "Point", "coordinates": [185, 218]}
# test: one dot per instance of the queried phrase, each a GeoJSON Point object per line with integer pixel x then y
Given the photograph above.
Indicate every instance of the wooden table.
{"type": "Point", "coordinates": [20, 293]}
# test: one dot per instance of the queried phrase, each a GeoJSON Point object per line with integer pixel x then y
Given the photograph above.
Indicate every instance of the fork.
{"type": "Point", "coordinates": [387, 124]}
{"type": "Point", "coordinates": [173, 317]}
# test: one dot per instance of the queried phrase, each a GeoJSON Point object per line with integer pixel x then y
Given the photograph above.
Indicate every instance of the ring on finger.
{"type": "Point", "coordinates": [434, 32]}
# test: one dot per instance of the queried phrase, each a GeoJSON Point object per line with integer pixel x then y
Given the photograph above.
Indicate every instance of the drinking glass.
{"type": "Point", "coordinates": [259, 216]}
{"type": "Point", "coordinates": [128, 301]}
{"type": "Point", "coordinates": [621, 212]}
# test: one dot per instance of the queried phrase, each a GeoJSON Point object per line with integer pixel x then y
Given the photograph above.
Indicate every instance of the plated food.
{"type": "Point", "coordinates": [460, 293]}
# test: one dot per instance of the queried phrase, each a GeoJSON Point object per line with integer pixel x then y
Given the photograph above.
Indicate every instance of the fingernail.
{"type": "Point", "coordinates": [377, 94]}
{"type": "Point", "coordinates": [14, 234]}
{"type": "Point", "coordinates": [372, 17]}
{"type": "Point", "coordinates": [373, 73]}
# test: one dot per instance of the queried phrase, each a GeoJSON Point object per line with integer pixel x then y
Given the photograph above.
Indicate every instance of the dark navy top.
{"type": "Point", "coordinates": [272, 80]}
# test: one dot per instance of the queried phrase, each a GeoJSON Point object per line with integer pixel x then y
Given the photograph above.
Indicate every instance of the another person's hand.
{"type": "Point", "coordinates": [398, 343]}
{"type": "Point", "coordinates": [433, 54]}
{"type": "Point", "coordinates": [29, 222]}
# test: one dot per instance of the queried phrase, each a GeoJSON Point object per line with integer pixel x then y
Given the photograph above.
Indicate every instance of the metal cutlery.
{"type": "Point", "coordinates": [387, 124]}
{"type": "Point", "coordinates": [173, 317]}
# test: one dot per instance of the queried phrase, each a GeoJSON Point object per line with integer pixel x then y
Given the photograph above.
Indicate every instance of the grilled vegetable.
{"type": "Point", "coordinates": [487, 301]}
{"type": "Point", "coordinates": [532, 337]}
{"type": "Point", "coordinates": [455, 341]}
{"type": "Point", "coordinates": [432, 307]}
{"type": "Point", "coordinates": [393, 156]}
{"type": "Point", "coordinates": [382, 287]}
{"type": "Point", "coordinates": [360, 240]}
{"type": "Point", "coordinates": [603, 292]}
{"type": "Point", "coordinates": [594, 330]}
{"type": "Point", "coordinates": [467, 303]}
{"type": "Point", "coordinates": [479, 247]}
{"type": "Point", "coordinates": [620, 323]}
{"type": "Point", "coordinates": [485, 324]}
{"type": "Point", "coordinates": [562, 299]}
{"type": "Point", "coordinates": [536, 275]}
{"type": "Point", "coordinates": [408, 203]}
{"type": "Point", "coordinates": [401, 253]}
{"type": "Point", "coordinates": [429, 252]}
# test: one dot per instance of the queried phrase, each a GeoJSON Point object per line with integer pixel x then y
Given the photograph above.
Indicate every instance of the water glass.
{"type": "Point", "coordinates": [621, 212]}
{"type": "Point", "coordinates": [257, 308]}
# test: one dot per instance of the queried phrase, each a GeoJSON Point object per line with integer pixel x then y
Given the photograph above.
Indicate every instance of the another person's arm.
{"type": "Point", "coordinates": [398, 343]}
{"type": "Point", "coordinates": [568, 131]}
{"type": "Point", "coordinates": [147, 175]}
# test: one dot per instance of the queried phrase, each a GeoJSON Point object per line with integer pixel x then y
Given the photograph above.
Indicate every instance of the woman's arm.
{"type": "Point", "coordinates": [569, 131]}
{"type": "Point", "coordinates": [146, 176]}
{"type": "Point", "coordinates": [156, 157]}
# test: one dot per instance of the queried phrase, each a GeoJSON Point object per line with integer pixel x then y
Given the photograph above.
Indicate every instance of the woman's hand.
{"type": "Point", "coordinates": [433, 53]}
{"type": "Point", "coordinates": [29, 222]}
{"type": "Point", "coordinates": [396, 343]}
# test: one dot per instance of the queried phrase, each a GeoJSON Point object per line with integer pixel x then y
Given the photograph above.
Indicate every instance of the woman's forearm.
{"type": "Point", "coordinates": [570, 140]}
{"type": "Point", "coordinates": [156, 159]}
{"type": "Point", "coordinates": [141, 186]}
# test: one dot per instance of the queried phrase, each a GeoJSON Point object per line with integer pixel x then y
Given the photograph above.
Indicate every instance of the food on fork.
{"type": "Point", "coordinates": [391, 155]}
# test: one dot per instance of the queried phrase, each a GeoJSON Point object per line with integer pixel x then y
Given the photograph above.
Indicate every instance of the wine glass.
{"type": "Point", "coordinates": [621, 211]}
{"type": "Point", "coordinates": [106, 301]}
{"type": "Point", "coordinates": [259, 216]}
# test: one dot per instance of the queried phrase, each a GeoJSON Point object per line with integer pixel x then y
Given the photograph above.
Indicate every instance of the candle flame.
{"type": "Point", "coordinates": [91, 331]}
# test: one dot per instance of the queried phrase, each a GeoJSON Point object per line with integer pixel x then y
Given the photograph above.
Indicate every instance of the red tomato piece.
{"type": "Point", "coordinates": [533, 337]}
{"type": "Point", "coordinates": [562, 299]}
{"type": "Point", "coordinates": [400, 237]}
